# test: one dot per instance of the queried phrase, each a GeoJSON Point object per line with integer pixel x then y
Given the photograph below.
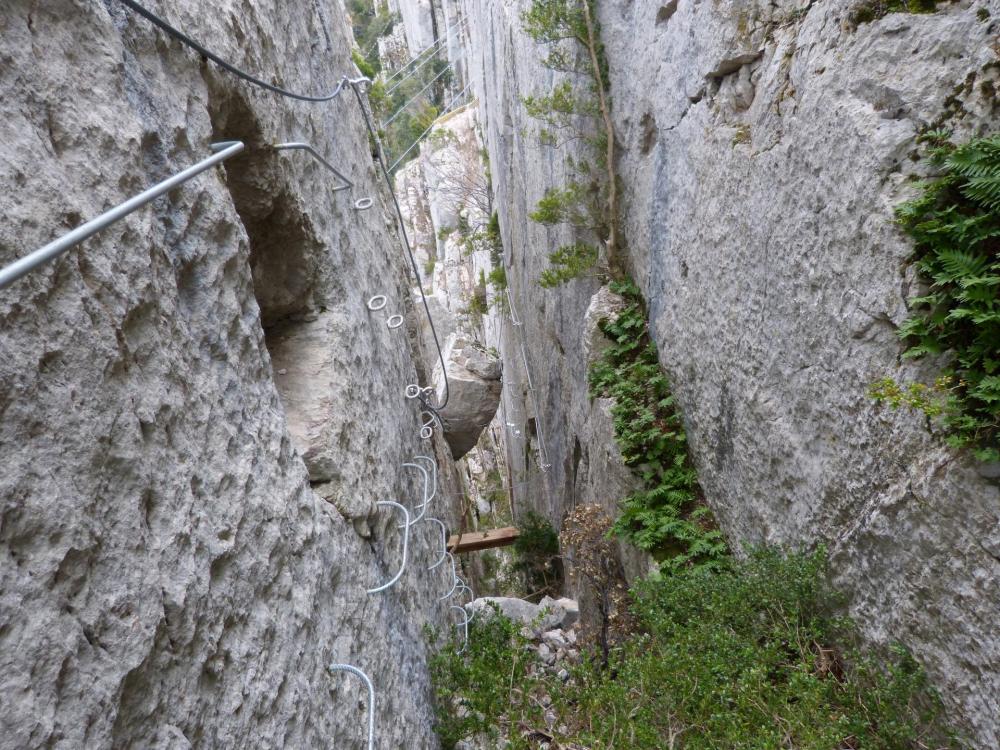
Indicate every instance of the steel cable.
{"type": "Point", "coordinates": [354, 84]}
{"type": "Point", "coordinates": [425, 50]}
{"type": "Point", "coordinates": [421, 136]}
{"type": "Point", "coordinates": [200, 49]}
{"type": "Point", "coordinates": [426, 60]}
{"type": "Point", "coordinates": [416, 96]}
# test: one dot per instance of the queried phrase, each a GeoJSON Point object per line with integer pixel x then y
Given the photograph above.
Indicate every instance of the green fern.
{"type": "Point", "coordinates": [955, 225]}
{"type": "Point", "coordinates": [666, 517]}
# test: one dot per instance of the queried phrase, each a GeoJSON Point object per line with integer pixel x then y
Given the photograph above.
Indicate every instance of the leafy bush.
{"type": "Point", "coordinates": [477, 306]}
{"type": "Point", "coordinates": [365, 67]}
{"type": "Point", "coordinates": [497, 278]}
{"type": "Point", "coordinates": [745, 656]}
{"type": "Point", "coordinates": [368, 25]}
{"type": "Point", "coordinates": [667, 517]}
{"type": "Point", "coordinates": [472, 688]}
{"type": "Point", "coordinates": [567, 263]}
{"type": "Point", "coordinates": [955, 225]}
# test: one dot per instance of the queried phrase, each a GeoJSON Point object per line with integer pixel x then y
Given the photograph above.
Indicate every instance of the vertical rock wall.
{"type": "Point", "coordinates": [168, 575]}
{"type": "Point", "coordinates": [763, 149]}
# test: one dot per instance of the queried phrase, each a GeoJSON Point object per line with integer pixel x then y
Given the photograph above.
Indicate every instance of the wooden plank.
{"type": "Point", "coordinates": [487, 539]}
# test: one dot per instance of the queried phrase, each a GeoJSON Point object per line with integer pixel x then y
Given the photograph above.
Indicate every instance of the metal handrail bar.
{"type": "Point", "coordinates": [309, 149]}
{"type": "Point", "coordinates": [54, 249]}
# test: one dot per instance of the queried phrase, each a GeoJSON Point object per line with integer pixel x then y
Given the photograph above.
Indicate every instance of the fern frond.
{"type": "Point", "coordinates": [985, 190]}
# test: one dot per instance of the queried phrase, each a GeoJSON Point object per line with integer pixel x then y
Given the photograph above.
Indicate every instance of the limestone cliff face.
{"type": "Point", "coordinates": [199, 411]}
{"type": "Point", "coordinates": [763, 149]}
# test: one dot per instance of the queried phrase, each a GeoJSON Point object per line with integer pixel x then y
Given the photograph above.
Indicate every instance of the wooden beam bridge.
{"type": "Point", "coordinates": [473, 541]}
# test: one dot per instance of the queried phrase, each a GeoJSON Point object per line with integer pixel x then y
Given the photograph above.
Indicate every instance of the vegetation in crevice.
{"type": "Point", "coordinates": [867, 11]}
{"type": "Point", "coordinates": [536, 557]}
{"type": "Point", "coordinates": [369, 21]}
{"type": "Point", "coordinates": [750, 655]}
{"type": "Point", "coordinates": [477, 306]}
{"type": "Point", "coordinates": [577, 111]}
{"type": "Point", "coordinates": [667, 517]}
{"type": "Point", "coordinates": [955, 225]}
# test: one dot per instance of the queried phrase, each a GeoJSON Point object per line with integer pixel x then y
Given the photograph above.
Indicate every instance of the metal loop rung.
{"type": "Point", "coordinates": [371, 697]}
{"type": "Point", "coordinates": [444, 542]}
{"type": "Point", "coordinates": [406, 543]}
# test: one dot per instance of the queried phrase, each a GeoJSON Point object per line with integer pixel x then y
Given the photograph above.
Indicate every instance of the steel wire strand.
{"type": "Point", "coordinates": [410, 75]}
{"type": "Point", "coordinates": [435, 44]}
{"type": "Point", "coordinates": [416, 96]}
{"type": "Point", "coordinates": [202, 50]}
{"type": "Point", "coordinates": [406, 241]}
{"type": "Point", "coordinates": [543, 452]}
{"type": "Point", "coordinates": [354, 84]}
{"type": "Point", "coordinates": [420, 137]}
{"type": "Point", "coordinates": [426, 60]}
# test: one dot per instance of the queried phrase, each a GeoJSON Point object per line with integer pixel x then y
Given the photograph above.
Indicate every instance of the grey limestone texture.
{"type": "Point", "coordinates": [762, 150]}
{"type": "Point", "coordinates": [198, 412]}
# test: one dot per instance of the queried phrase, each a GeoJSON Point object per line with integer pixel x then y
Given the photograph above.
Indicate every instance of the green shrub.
{"type": "Point", "coordinates": [746, 656]}
{"type": "Point", "coordinates": [497, 278]}
{"type": "Point", "coordinates": [569, 262]}
{"type": "Point", "coordinates": [472, 690]}
{"type": "Point", "coordinates": [667, 516]}
{"type": "Point", "coordinates": [955, 226]}
{"type": "Point", "coordinates": [477, 306]}
{"type": "Point", "coordinates": [365, 67]}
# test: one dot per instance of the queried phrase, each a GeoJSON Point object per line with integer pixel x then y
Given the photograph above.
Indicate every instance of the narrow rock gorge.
{"type": "Point", "coordinates": [206, 407]}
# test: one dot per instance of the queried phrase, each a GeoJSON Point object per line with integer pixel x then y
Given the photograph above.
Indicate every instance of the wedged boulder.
{"type": "Point", "coordinates": [305, 366]}
{"type": "Point", "coordinates": [474, 387]}
{"type": "Point", "coordinates": [604, 305]}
